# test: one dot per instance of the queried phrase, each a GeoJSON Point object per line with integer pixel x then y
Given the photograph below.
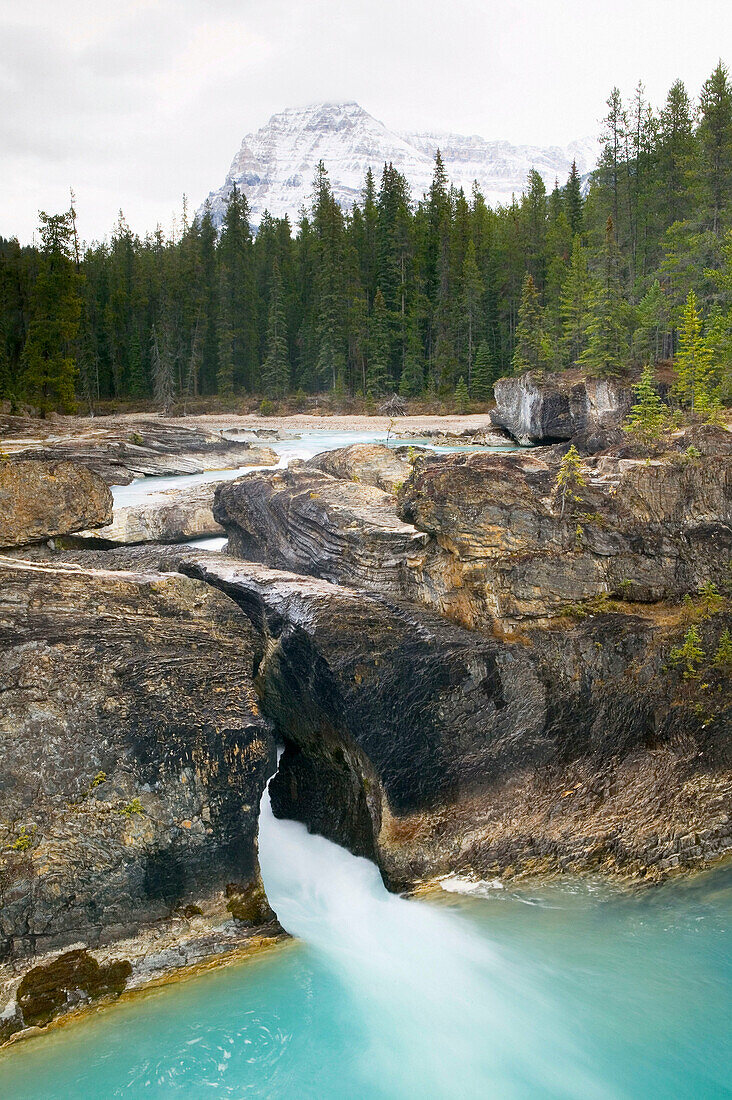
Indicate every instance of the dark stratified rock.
{"type": "Point", "coordinates": [133, 755]}
{"type": "Point", "coordinates": [485, 536]}
{"type": "Point", "coordinates": [39, 500]}
{"type": "Point", "coordinates": [551, 408]}
{"type": "Point", "coordinates": [434, 749]}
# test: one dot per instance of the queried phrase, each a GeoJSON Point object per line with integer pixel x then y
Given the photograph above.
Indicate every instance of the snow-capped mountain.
{"type": "Point", "coordinates": [275, 166]}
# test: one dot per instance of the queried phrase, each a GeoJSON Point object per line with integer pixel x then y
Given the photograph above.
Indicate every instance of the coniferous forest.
{"type": "Point", "coordinates": [435, 295]}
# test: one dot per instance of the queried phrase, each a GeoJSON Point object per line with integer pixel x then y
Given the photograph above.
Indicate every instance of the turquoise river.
{"type": "Point", "coordinates": [572, 990]}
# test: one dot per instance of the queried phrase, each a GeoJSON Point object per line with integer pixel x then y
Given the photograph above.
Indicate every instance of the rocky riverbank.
{"type": "Point", "coordinates": [470, 673]}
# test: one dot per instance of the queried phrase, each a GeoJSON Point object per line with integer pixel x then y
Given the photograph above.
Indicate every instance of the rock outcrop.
{"type": "Point", "coordinates": [435, 749]}
{"type": "Point", "coordinates": [307, 521]}
{"type": "Point", "coordinates": [385, 468]}
{"type": "Point", "coordinates": [40, 500]}
{"type": "Point", "coordinates": [484, 537]}
{"type": "Point", "coordinates": [139, 447]}
{"type": "Point", "coordinates": [174, 515]}
{"type": "Point", "coordinates": [133, 756]}
{"type": "Point", "coordinates": [553, 408]}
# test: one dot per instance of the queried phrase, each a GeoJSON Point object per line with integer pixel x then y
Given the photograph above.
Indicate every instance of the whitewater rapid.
{"type": "Point", "coordinates": [446, 1012]}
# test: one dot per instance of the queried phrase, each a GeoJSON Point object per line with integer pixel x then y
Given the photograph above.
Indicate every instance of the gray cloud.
{"type": "Point", "coordinates": [135, 103]}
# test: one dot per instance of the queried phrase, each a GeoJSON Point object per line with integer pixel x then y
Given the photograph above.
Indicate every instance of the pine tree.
{"type": "Point", "coordinates": [462, 397]}
{"type": "Point", "coordinates": [649, 416]}
{"type": "Point", "coordinates": [653, 320]}
{"type": "Point", "coordinates": [676, 155]}
{"type": "Point", "coordinates": [412, 380]}
{"type": "Point", "coordinates": [570, 478]}
{"type": "Point", "coordinates": [55, 314]}
{"type": "Point", "coordinates": [472, 291]}
{"type": "Point", "coordinates": [689, 655]}
{"type": "Point", "coordinates": [377, 371]}
{"type": "Point", "coordinates": [607, 349]}
{"type": "Point", "coordinates": [722, 659]}
{"type": "Point", "coordinates": [276, 366]}
{"type": "Point", "coordinates": [693, 363]}
{"type": "Point", "coordinates": [573, 200]}
{"type": "Point", "coordinates": [162, 371]}
{"type": "Point", "coordinates": [715, 137]}
{"type": "Point", "coordinates": [576, 304]}
{"type": "Point", "coordinates": [225, 342]}
{"type": "Point", "coordinates": [530, 352]}
{"type": "Point", "coordinates": [484, 373]}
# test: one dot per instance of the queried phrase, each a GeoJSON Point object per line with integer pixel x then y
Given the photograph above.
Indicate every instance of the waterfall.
{"type": "Point", "coordinates": [437, 1009]}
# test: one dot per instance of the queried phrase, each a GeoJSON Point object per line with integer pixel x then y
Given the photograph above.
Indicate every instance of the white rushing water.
{"type": "Point", "coordinates": [445, 1010]}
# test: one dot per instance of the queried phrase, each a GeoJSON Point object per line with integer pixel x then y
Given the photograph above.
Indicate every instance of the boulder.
{"type": "Point", "coordinates": [174, 515]}
{"type": "Point", "coordinates": [553, 407]}
{"type": "Point", "coordinates": [308, 521]}
{"type": "Point", "coordinates": [40, 500]}
{"type": "Point", "coordinates": [374, 464]}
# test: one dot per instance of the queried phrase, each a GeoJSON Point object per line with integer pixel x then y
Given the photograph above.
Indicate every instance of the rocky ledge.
{"type": "Point", "coordinates": [120, 452]}
{"type": "Point", "coordinates": [40, 500]}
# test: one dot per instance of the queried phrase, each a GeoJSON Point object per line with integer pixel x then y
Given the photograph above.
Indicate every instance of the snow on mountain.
{"type": "Point", "coordinates": [275, 166]}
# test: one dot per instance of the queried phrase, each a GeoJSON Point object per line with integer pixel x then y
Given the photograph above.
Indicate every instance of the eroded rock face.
{"type": "Point", "coordinates": [483, 537]}
{"type": "Point", "coordinates": [374, 464]}
{"type": "Point", "coordinates": [174, 515]}
{"type": "Point", "coordinates": [553, 409]}
{"type": "Point", "coordinates": [137, 448]}
{"type": "Point", "coordinates": [434, 749]}
{"type": "Point", "coordinates": [133, 755]}
{"type": "Point", "coordinates": [39, 500]}
{"type": "Point", "coordinates": [311, 522]}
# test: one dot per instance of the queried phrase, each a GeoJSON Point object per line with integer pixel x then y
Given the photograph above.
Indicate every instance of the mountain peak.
{"type": "Point", "coordinates": [275, 165]}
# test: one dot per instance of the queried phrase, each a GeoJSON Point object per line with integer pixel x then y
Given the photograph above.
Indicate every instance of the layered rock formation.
{"type": "Point", "coordinates": [141, 447]}
{"type": "Point", "coordinates": [174, 515]}
{"type": "Point", "coordinates": [551, 408]}
{"type": "Point", "coordinates": [553, 734]}
{"type": "Point", "coordinates": [133, 756]}
{"type": "Point", "coordinates": [39, 500]}
{"type": "Point", "coordinates": [482, 537]}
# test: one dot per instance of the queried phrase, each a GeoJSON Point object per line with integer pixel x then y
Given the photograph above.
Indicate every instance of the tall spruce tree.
{"type": "Point", "coordinates": [484, 373]}
{"type": "Point", "coordinates": [606, 354]}
{"type": "Point", "coordinates": [715, 137]}
{"type": "Point", "coordinates": [693, 386]}
{"type": "Point", "coordinates": [55, 313]}
{"type": "Point", "coordinates": [530, 351]}
{"type": "Point", "coordinates": [377, 371]}
{"type": "Point", "coordinates": [576, 304]}
{"type": "Point", "coordinates": [276, 366]}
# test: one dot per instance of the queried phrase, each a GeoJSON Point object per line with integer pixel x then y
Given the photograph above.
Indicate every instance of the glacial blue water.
{"type": "Point", "coordinates": [573, 990]}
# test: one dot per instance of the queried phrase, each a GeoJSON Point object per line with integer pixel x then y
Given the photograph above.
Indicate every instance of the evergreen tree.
{"type": "Point", "coordinates": [693, 363]}
{"type": "Point", "coordinates": [55, 304]}
{"type": "Point", "coordinates": [576, 304]}
{"type": "Point", "coordinates": [225, 342]}
{"type": "Point", "coordinates": [377, 371]}
{"type": "Point", "coordinates": [276, 367]}
{"type": "Point", "coordinates": [689, 655]}
{"type": "Point", "coordinates": [653, 320]}
{"type": "Point", "coordinates": [722, 659]}
{"type": "Point", "coordinates": [606, 354]}
{"type": "Point", "coordinates": [715, 135]}
{"type": "Point", "coordinates": [649, 416]}
{"type": "Point", "coordinates": [573, 200]}
{"type": "Point", "coordinates": [530, 352]}
{"type": "Point", "coordinates": [162, 372]}
{"type": "Point", "coordinates": [472, 292]}
{"type": "Point", "coordinates": [676, 154]}
{"type": "Point", "coordinates": [484, 373]}
{"type": "Point", "coordinates": [571, 478]}
{"type": "Point", "coordinates": [411, 383]}
{"type": "Point", "coordinates": [462, 397]}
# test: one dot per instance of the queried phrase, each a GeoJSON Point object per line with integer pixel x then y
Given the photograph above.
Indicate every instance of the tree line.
{"type": "Point", "coordinates": [425, 296]}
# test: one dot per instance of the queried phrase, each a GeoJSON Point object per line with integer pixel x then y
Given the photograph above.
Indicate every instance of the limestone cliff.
{"type": "Point", "coordinates": [546, 408]}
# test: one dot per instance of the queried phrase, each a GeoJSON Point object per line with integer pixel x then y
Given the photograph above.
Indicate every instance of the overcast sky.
{"type": "Point", "coordinates": [135, 102]}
